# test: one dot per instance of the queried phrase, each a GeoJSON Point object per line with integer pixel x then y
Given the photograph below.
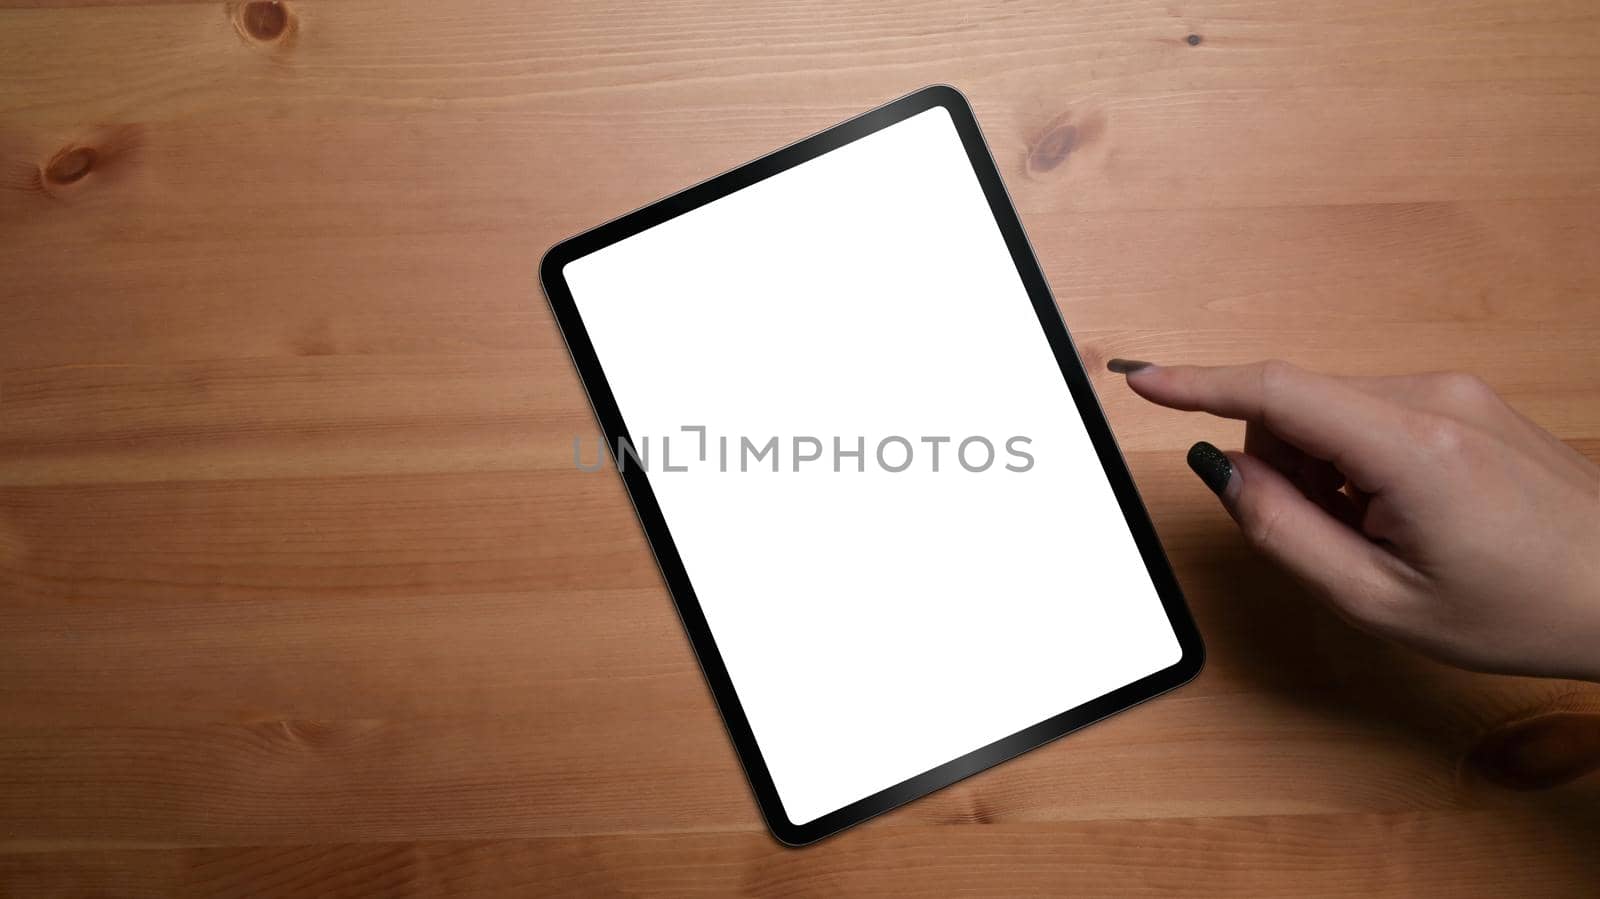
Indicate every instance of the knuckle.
{"type": "Point", "coordinates": [1462, 390]}
{"type": "Point", "coordinates": [1274, 373]}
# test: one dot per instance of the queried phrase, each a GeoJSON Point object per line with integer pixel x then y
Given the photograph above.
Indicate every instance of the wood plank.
{"type": "Point", "coordinates": [1515, 266]}
{"type": "Point", "coordinates": [1403, 855]}
{"type": "Point", "coordinates": [646, 754]}
{"type": "Point", "coordinates": [326, 415]}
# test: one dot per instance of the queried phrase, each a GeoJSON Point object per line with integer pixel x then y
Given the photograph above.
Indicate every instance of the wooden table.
{"type": "Point", "coordinates": [300, 593]}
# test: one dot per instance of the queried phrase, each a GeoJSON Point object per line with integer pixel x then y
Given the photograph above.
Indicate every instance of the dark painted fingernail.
{"type": "Point", "coordinates": [1211, 465]}
{"type": "Point", "coordinates": [1126, 366]}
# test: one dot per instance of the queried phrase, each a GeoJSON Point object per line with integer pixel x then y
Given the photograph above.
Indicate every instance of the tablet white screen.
{"type": "Point", "coordinates": [875, 623]}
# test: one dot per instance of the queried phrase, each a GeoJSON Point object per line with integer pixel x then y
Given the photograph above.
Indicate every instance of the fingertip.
{"type": "Point", "coordinates": [1146, 381]}
{"type": "Point", "coordinates": [1213, 467]}
{"type": "Point", "coordinates": [1266, 487]}
{"type": "Point", "coordinates": [1160, 384]}
{"type": "Point", "coordinates": [1246, 468]}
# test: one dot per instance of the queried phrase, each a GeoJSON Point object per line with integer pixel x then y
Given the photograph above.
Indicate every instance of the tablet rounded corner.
{"type": "Point", "coordinates": [553, 264]}
{"type": "Point", "coordinates": [1191, 662]}
{"type": "Point", "coordinates": [950, 97]}
{"type": "Point", "coordinates": [786, 832]}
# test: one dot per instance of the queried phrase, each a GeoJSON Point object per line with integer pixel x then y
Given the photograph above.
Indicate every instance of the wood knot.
{"type": "Point", "coordinates": [1070, 132]}
{"type": "Point", "coordinates": [1541, 751]}
{"type": "Point", "coordinates": [107, 152]}
{"type": "Point", "coordinates": [70, 165]}
{"type": "Point", "coordinates": [1054, 148]}
{"type": "Point", "coordinates": [264, 20]}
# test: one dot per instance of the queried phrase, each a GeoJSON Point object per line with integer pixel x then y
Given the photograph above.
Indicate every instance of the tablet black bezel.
{"type": "Point", "coordinates": [677, 579]}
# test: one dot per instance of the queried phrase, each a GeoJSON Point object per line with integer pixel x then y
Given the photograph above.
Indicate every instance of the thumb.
{"type": "Point", "coordinates": [1358, 577]}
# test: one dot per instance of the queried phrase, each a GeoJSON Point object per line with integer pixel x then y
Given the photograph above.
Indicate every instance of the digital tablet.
{"type": "Point", "coordinates": [878, 484]}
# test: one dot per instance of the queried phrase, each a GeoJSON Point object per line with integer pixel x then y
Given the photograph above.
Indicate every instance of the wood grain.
{"type": "Point", "coordinates": [300, 594]}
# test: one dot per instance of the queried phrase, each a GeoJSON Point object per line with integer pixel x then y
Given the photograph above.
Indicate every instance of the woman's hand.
{"type": "Point", "coordinates": [1422, 507]}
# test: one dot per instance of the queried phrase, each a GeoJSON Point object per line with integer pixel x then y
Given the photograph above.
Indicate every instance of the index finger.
{"type": "Point", "coordinates": [1365, 436]}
